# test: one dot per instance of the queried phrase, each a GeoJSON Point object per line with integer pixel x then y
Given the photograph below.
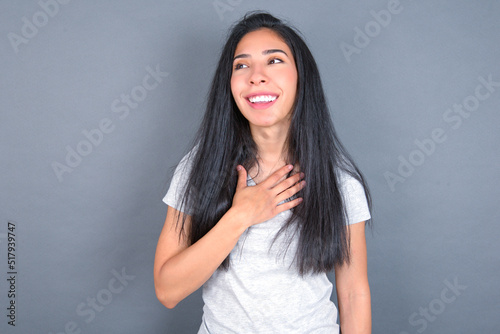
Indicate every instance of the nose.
{"type": "Point", "coordinates": [258, 76]}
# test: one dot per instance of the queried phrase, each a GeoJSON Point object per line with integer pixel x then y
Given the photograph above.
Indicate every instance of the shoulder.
{"type": "Point", "coordinates": [179, 182]}
{"type": "Point", "coordinates": [353, 193]}
{"type": "Point", "coordinates": [184, 166]}
{"type": "Point", "coordinates": [349, 184]}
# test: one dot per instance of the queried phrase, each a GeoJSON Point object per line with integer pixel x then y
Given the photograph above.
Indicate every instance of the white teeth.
{"type": "Point", "coordinates": [262, 98]}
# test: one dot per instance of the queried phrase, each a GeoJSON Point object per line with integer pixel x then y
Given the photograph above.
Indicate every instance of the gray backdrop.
{"type": "Point", "coordinates": [100, 100]}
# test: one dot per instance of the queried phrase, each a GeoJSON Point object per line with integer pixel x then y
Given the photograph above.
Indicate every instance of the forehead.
{"type": "Point", "coordinates": [261, 39]}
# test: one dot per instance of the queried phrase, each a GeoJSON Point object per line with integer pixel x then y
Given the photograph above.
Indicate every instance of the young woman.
{"type": "Point", "coordinates": [243, 223]}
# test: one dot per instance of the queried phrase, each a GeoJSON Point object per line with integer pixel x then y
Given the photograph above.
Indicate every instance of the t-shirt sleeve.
{"type": "Point", "coordinates": [178, 184]}
{"type": "Point", "coordinates": [355, 199]}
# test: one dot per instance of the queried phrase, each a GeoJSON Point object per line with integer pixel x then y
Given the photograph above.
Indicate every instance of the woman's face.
{"type": "Point", "coordinates": [264, 79]}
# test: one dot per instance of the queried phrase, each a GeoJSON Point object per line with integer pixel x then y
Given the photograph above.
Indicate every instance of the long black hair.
{"type": "Point", "coordinates": [224, 140]}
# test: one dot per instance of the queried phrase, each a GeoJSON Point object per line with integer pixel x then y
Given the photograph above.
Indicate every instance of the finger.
{"type": "Point", "coordinates": [287, 183]}
{"type": "Point", "coordinates": [288, 205]}
{"type": "Point", "coordinates": [274, 178]}
{"type": "Point", "coordinates": [290, 191]}
{"type": "Point", "coordinates": [242, 177]}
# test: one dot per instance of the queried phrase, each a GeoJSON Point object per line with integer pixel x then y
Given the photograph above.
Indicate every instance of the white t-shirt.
{"type": "Point", "coordinates": [262, 291]}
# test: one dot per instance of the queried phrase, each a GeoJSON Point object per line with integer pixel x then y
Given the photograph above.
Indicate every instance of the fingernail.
{"type": "Point", "coordinates": [302, 175]}
{"type": "Point", "coordinates": [290, 167]}
{"type": "Point", "coordinates": [238, 168]}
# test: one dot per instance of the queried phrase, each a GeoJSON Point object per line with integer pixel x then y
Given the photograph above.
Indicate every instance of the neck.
{"type": "Point", "coordinates": [270, 149]}
{"type": "Point", "coordinates": [270, 142]}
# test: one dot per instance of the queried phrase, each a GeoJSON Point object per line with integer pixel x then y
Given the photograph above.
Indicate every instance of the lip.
{"type": "Point", "coordinates": [261, 105]}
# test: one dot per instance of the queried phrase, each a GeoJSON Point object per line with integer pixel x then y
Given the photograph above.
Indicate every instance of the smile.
{"type": "Point", "coordinates": [261, 101]}
{"type": "Point", "coordinates": [262, 98]}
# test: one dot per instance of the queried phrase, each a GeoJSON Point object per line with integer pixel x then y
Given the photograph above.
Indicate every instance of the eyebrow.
{"type": "Point", "coordinates": [265, 52]}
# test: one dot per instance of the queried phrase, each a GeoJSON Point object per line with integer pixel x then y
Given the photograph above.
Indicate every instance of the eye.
{"type": "Point", "coordinates": [275, 61]}
{"type": "Point", "coordinates": [239, 66]}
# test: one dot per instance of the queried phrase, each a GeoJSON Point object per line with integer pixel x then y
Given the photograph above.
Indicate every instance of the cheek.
{"type": "Point", "coordinates": [235, 87]}
{"type": "Point", "coordinates": [291, 85]}
{"type": "Point", "coordinates": [232, 85]}
{"type": "Point", "coordinates": [289, 80]}
{"type": "Point", "coordinates": [236, 91]}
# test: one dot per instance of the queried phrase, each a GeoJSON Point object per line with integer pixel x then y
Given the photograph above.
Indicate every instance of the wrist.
{"type": "Point", "coordinates": [237, 220]}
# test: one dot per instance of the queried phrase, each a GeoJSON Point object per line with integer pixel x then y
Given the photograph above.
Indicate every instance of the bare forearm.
{"type": "Point", "coordinates": [187, 271]}
{"type": "Point", "coordinates": [355, 313]}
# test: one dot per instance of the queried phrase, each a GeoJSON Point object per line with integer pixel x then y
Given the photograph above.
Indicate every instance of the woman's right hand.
{"type": "Point", "coordinates": [256, 204]}
{"type": "Point", "coordinates": [181, 268]}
